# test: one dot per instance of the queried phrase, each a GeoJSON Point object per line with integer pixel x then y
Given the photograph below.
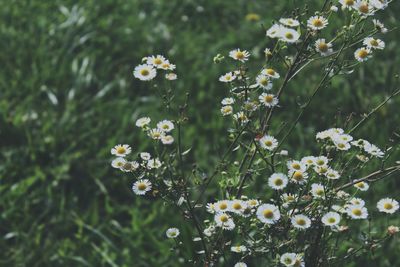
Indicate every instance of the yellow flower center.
{"type": "Point", "coordinates": [357, 212]}
{"type": "Point", "coordinates": [360, 185]}
{"type": "Point", "coordinates": [319, 192]}
{"type": "Point", "coordinates": [278, 182]}
{"type": "Point", "coordinates": [289, 35]}
{"type": "Point", "coordinates": [363, 53]}
{"type": "Point", "coordinates": [268, 98]}
{"type": "Point", "coordinates": [121, 150]}
{"type": "Point", "coordinates": [144, 72]}
{"type": "Point", "coordinates": [363, 8]}
{"type": "Point", "coordinates": [157, 61]}
{"type": "Point", "coordinates": [239, 55]}
{"type": "Point", "coordinates": [331, 220]}
{"type": "Point", "coordinates": [296, 166]}
{"type": "Point", "coordinates": [165, 65]}
{"type": "Point", "coordinates": [298, 176]}
{"type": "Point", "coordinates": [165, 127]}
{"type": "Point", "coordinates": [268, 214]}
{"type": "Point", "coordinates": [142, 186]}
{"type": "Point", "coordinates": [323, 47]}
{"type": "Point", "coordinates": [223, 206]}
{"type": "Point", "coordinates": [388, 206]}
{"type": "Point", "coordinates": [349, 2]}
{"type": "Point", "coordinates": [264, 81]}
{"type": "Point", "coordinates": [268, 143]}
{"type": "Point", "coordinates": [317, 23]}
{"type": "Point", "coordinates": [301, 222]}
{"type": "Point", "coordinates": [237, 206]}
{"type": "Point", "coordinates": [224, 218]}
{"type": "Point", "coordinates": [374, 42]}
{"type": "Point", "coordinates": [341, 145]}
{"type": "Point", "coordinates": [270, 71]}
{"type": "Point", "coordinates": [252, 202]}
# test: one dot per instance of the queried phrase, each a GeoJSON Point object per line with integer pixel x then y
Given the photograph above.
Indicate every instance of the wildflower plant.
{"type": "Point", "coordinates": [308, 204]}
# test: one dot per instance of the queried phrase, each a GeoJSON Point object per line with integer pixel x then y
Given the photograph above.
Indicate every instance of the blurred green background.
{"type": "Point", "coordinates": [67, 95]}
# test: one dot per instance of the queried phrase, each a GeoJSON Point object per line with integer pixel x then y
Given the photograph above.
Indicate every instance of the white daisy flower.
{"type": "Point", "coordinates": [237, 206]}
{"type": "Point", "coordinates": [268, 142]}
{"type": "Point", "coordinates": [209, 231]}
{"type": "Point", "coordinates": [228, 77]}
{"type": "Point", "coordinates": [239, 249]}
{"type": "Point", "coordinates": [210, 207]}
{"type": "Point", "coordinates": [145, 156]}
{"type": "Point", "coordinates": [343, 137]}
{"type": "Point", "coordinates": [323, 47]}
{"type": "Point", "coordinates": [355, 201]}
{"type": "Point", "coordinates": [240, 264]}
{"type": "Point", "coordinates": [118, 163]}
{"type": "Point", "coordinates": [288, 259]}
{"type": "Point", "coordinates": [289, 22]}
{"type": "Point", "coordinates": [252, 203]}
{"type": "Point", "coordinates": [298, 177]}
{"type": "Point", "coordinates": [317, 190]}
{"type": "Point", "coordinates": [387, 205]}
{"type": "Point", "coordinates": [380, 26]}
{"type": "Point", "coordinates": [155, 134]}
{"type": "Point", "coordinates": [331, 219]}
{"type": "Point", "coordinates": [267, 52]}
{"type": "Point", "coordinates": [295, 165]}
{"type": "Point", "coordinates": [167, 139]}
{"type": "Point", "coordinates": [321, 170]}
{"type": "Point", "coordinates": [153, 164]}
{"type": "Point", "coordinates": [299, 261]}
{"type": "Point", "coordinates": [224, 221]}
{"type": "Point", "coordinates": [268, 213]}
{"type": "Point", "coordinates": [241, 117]}
{"type": "Point", "coordinates": [165, 126]}
{"type": "Point", "coordinates": [171, 76]}
{"type": "Point", "coordinates": [332, 174]}
{"type": "Point", "coordinates": [373, 43]}
{"type": "Point", "coordinates": [347, 3]}
{"type": "Point", "coordinates": [271, 73]}
{"type": "Point", "coordinates": [130, 166]}
{"type": "Point", "coordinates": [140, 187]}
{"type": "Point", "coordinates": [268, 100]}
{"type": "Point", "coordinates": [334, 8]}
{"type": "Point", "coordinates": [264, 82]}
{"type": "Point", "coordinates": [317, 22]}
{"type": "Point", "coordinates": [222, 206]}
{"type": "Point", "coordinates": [287, 199]}
{"type": "Point", "coordinates": [278, 181]}
{"type": "Point", "coordinates": [241, 55]}
{"type": "Point", "coordinates": [357, 212]}
{"type": "Point", "coordinates": [364, 8]}
{"type": "Point", "coordinates": [143, 122]}
{"type": "Point", "coordinates": [321, 161]}
{"type": "Point", "coordinates": [379, 4]}
{"type": "Point", "coordinates": [121, 150]}
{"type": "Point", "coordinates": [172, 232]}
{"type": "Point", "coordinates": [156, 61]}
{"type": "Point", "coordinates": [301, 221]}
{"type": "Point", "coordinates": [167, 66]}
{"type": "Point", "coordinates": [341, 145]}
{"type": "Point", "coordinates": [250, 106]}
{"type": "Point", "coordinates": [373, 150]}
{"type": "Point", "coordinates": [226, 110]}
{"type": "Point", "coordinates": [144, 72]}
{"type": "Point", "coordinates": [228, 101]}
{"type": "Point", "coordinates": [362, 54]}
{"type": "Point", "coordinates": [289, 35]}
{"type": "Point", "coordinates": [274, 31]}
{"type": "Point", "coordinates": [308, 161]}
{"type": "Point", "coordinates": [362, 186]}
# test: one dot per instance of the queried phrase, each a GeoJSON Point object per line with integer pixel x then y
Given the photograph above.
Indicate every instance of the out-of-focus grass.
{"type": "Point", "coordinates": [67, 95]}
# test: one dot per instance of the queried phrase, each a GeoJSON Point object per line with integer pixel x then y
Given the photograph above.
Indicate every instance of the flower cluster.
{"type": "Point", "coordinates": [148, 70]}
{"type": "Point", "coordinates": [294, 200]}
